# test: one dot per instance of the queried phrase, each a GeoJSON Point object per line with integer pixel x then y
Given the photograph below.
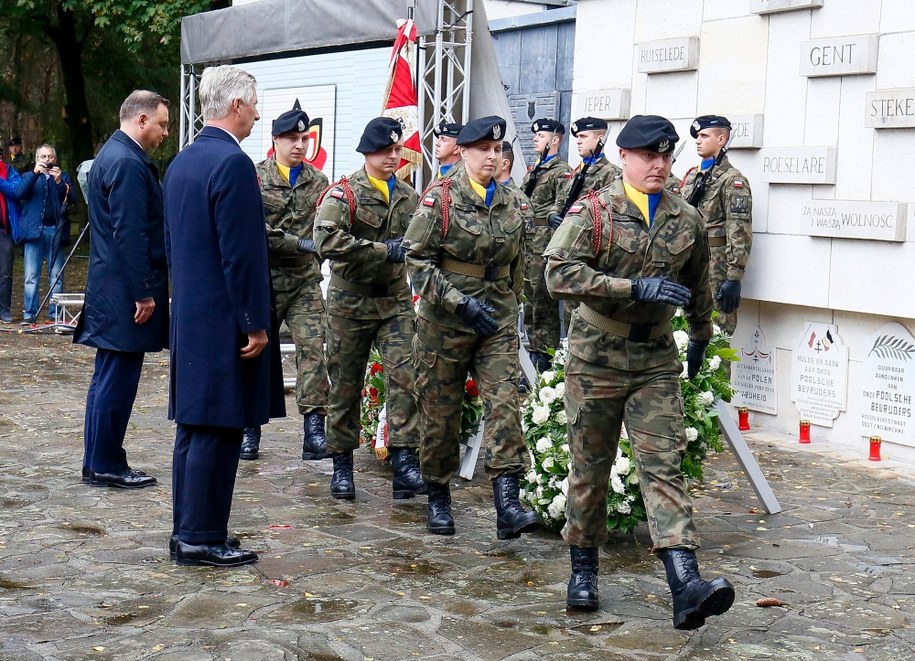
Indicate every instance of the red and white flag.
{"type": "Point", "coordinates": [400, 101]}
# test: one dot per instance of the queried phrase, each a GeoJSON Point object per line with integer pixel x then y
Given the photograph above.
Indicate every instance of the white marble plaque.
{"type": "Point", "coordinates": [746, 131]}
{"type": "Point", "coordinates": [890, 109]}
{"type": "Point", "coordinates": [799, 165]}
{"type": "Point", "coordinates": [754, 378]}
{"type": "Point", "coordinates": [839, 56]}
{"type": "Point", "coordinates": [855, 219]}
{"type": "Point", "coordinates": [776, 6]}
{"type": "Point", "coordinates": [888, 385]}
{"type": "Point", "coordinates": [607, 104]}
{"type": "Point", "coordinates": [819, 374]}
{"type": "Point", "coordinates": [664, 55]}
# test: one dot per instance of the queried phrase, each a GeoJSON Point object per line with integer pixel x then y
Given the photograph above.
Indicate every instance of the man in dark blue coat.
{"type": "Point", "coordinates": [222, 380]}
{"type": "Point", "coordinates": [125, 313]}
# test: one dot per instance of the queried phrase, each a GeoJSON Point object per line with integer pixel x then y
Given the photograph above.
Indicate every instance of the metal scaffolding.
{"type": "Point", "coordinates": [191, 121]}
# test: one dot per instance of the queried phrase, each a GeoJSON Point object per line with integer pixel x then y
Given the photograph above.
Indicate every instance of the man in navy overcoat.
{"type": "Point", "coordinates": [125, 313]}
{"type": "Point", "coordinates": [222, 379]}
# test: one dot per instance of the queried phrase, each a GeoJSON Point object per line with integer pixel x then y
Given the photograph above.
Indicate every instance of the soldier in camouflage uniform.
{"type": "Point", "coordinates": [465, 253]}
{"type": "Point", "coordinates": [726, 204]}
{"type": "Point", "coordinates": [504, 174]}
{"type": "Point", "coordinates": [290, 188]}
{"type": "Point", "coordinates": [542, 184]}
{"type": "Point", "coordinates": [630, 254]}
{"type": "Point", "coordinates": [359, 228]}
{"type": "Point", "coordinates": [446, 151]}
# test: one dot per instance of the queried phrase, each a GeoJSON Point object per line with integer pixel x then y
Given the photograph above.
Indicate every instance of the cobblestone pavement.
{"type": "Point", "coordinates": [84, 572]}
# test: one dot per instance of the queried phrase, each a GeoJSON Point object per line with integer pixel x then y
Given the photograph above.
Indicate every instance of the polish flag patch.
{"type": "Point", "coordinates": [524, 206]}
{"type": "Point", "coordinates": [575, 208]}
{"type": "Point", "coordinates": [429, 202]}
{"type": "Point", "coordinates": [568, 175]}
{"type": "Point", "coordinates": [337, 193]}
{"type": "Point", "coordinates": [738, 184]}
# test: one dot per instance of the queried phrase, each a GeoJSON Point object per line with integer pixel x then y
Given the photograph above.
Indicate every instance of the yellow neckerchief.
{"type": "Point", "coordinates": [284, 170]}
{"type": "Point", "coordinates": [640, 200]}
{"type": "Point", "coordinates": [480, 189]}
{"type": "Point", "coordinates": [382, 187]}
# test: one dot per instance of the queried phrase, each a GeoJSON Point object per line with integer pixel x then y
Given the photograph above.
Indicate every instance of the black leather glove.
{"type": "Point", "coordinates": [728, 296]}
{"type": "Point", "coordinates": [660, 290]}
{"type": "Point", "coordinates": [554, 220]}
{"type": "Point", "coordinates": [306, 246]}
{"type": "Point", "coordinates": [395, 250]}
{"type": "Point", "coordinates": [478, 316]}
{"type": "Point", "coordinates": [695, 356]}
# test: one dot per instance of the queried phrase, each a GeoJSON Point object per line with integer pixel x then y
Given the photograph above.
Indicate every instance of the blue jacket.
{"type": "Point", "coordinates": [127, 260]}
{"type": "Point", "coordinates": [33, 199]}
{"type": "Point", "coordinates": [9, 188]}
{"type": "Point", "coordinates": [217, 243]}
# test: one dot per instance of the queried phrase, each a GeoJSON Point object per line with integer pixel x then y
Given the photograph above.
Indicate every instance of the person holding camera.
{"type": "Point", "coordinates": [42, 193]}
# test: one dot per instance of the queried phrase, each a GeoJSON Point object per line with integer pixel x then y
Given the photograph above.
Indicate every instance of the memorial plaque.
{"type": "Point", "coordinates": [607, 104]}
{"type": "Point", "coordinates": [525, 108]}
{"type": "Point", "coordinates": [799, 165]}
{"type": "Point", "coordinates": [888, 385]}
{"type": "Point", "coordinates": [855, 219]}
{"type": "Point", "coordinates": [890, 109]}
{"type": "Point", "coordinates": [665, 55]}
{"type": "Point", "coordinates": [753, 377]}
{"type": "Point", "coordinates": [819, 374]}
{"type": "Point", "coordinates": [746, 131]}
{"type": "Point", "coordinates": [839, 56]}
{"type": "Point", "coordinates": [776, 6]}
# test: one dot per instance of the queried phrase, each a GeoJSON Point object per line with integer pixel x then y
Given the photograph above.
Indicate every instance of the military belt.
{"type": "Point", "coordinates": [474, 270]}
{"type": "Point", "coordinates": [375, 291]}
{"type": "Point", "coordinates": [717, 242]}
{"type": "Point", "coordinates": [634, 332]}
{"type": "Point", "coordinates": [288, 262]}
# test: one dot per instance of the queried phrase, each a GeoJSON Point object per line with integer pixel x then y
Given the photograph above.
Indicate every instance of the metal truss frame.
{"type": "Point", "coordinates": [191, 121]}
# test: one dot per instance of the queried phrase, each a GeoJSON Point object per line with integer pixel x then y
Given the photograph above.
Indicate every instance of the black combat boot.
{"type": "Point", "coordinates": [341, 483]}
{"type": "Point", "coordinates": [439, 519]}
{"type": "Point", "coordinates": [693, 599]}
{"type": "Point", "coordinates": [251, 443]}
{"type": "Point", "coordinates": [407, 480]}
{"type": "Point", "coordinates": [541, 360]}
{"type": "Point", "coordinates": [582, 590]}
{"type": "Point", "coordinates": [512, 519]}
{"type": "Point", "coordinates": [314, 443]}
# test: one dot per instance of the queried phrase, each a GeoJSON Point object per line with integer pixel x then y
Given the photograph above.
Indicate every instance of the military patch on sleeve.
{"type": "Point", "coordinates": [568, 175]}
{"type": "Point", "coordinates": [524, 206]}
{"type": "Point", "coordinates": [337, 193]}
{"type": "Point", "coordinates": [740, 204]}
{"type": "Point", "coordinates": [429, 201]}
{"type": "Point", "coordinates": [738, 183]}
{"type": "Point", "coordinates": [576, 208]}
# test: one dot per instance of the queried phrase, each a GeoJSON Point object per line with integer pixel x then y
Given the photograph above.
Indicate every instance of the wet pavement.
{"type": "Point", "coordinates": [84, 572]}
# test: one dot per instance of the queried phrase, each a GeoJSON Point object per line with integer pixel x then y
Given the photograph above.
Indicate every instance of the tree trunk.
{"type": "Point", "coordinates": [76, 109]}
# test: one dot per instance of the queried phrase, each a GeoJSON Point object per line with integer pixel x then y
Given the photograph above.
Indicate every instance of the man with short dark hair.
{"type": "Point", "coordinates": [504, 173]}
{"type": "Point", "coordinates": [125, 313]}
{"type": "Point", "coordinates": [17, 159]}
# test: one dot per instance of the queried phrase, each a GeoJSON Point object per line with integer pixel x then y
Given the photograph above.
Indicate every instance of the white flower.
{"type": "Point", "coordinates": [616, 483]}
{"type": "Point", "coordinates": [560, 389]}
{"type": "Point", "coordinates": [679, 312]}
{"type": "Point", "coordinates": [548, 376]}
{"type": "Point", "coordinates": [633, 478]}
{"type": "Point", "coordinates": [682, 340]}
{"type": "Point", "coordinates": [716, 329]}
{"type": "Point", "coordinates": [622, 465]}
{"type": "Point", "coordinates": [691, 434]}
{"type": "Point", "coordinates": [565, 448]}
{"type": "Point", "coordinates": [538, 478]}
{"type": "Point", "coordinates": [538, 493]}
{"type": "Point", "coordinates": [547, 395]}
{"type": "Point", "coordinates": [547, 463]}
{"type": "Point", "coordinates": [623, 507]}
{"type": "Point", "coordinates": [562, 418]}
{"type": "Point", "coordinates": [531, 476]}
{"type": "Point", "coordinates": [540, 414]}
{"type": "Point", "coordinates": [564, 486]}
{"type": "Point", "coordinates": [557, 508]}
{"type": "Point", "coordinates": [706, 398]}
{"type": "Point", "coordinates": [714, 363]}
{"type": "Point", "coordinates": [552, 483]}
{"type": "Point", "coordinates": [543, 444]}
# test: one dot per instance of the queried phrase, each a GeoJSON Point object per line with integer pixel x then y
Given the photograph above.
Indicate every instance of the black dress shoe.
{"type": "Point", "coordinates": [216, 555]}
{"type": "Point", "coordinates": [86, 475]}
{"type": "Point", "coordinates": [231, 542]}
{"type": "Point", "coordinates": [122, 479]}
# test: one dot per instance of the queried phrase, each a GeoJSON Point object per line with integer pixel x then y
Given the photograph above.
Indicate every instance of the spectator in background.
{"type": "Point", "coordinates": [9, 186]}
{"type": "Point", "coordinates": [17, 158]}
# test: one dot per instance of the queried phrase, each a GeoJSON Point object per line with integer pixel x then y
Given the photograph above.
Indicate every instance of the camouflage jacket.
{"type": "Point", "coordinates": [600, 174]}
{"type": "Point", "coordinates": [357, 252]}
{"type": "Point", "coordinates": [290, 215]}
{"type": "Point", "coordinates": [488, 237]}
{"type": "Point", "coordinates": [549, 183]}
{"type": "Point", "coordinates": [726, 206]}
{"type": "Point", "coordinates": [600, 276]}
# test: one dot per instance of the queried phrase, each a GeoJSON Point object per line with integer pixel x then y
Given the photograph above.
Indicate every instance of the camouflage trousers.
{"type": "Point", "coordinates": [541, 312]}
{"type": "Point", "coordinates": [442, 357]}
{"type": "Point", "coordinates": [349, 345]}
{"type": "Point", "coordinates": [718, 273]}
{"type": "Point", "coordinates": [302, 308]}
{"type": "Point", "coordinates": [598, 400]}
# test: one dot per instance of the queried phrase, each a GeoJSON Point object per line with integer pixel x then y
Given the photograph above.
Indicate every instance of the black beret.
{"type": "Point", "coordinates": [544, 124]}
{"type": "Point", "coordinates": [451, 129]}
{"type": "Point", "coordinates": [291, 120]}
{"type": "Point", "coordinates": [708, 122]}
{"type": "Point", "coordinates": [589, 124]}
{"type": "Point", "coordinates": [15, 142]}
{"type": "Point", "coordinates": [650, 132]}
{"type": "Point", "coordinates": [484, 128]}
{"type": "Point", "coordinates": [380, 133]}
